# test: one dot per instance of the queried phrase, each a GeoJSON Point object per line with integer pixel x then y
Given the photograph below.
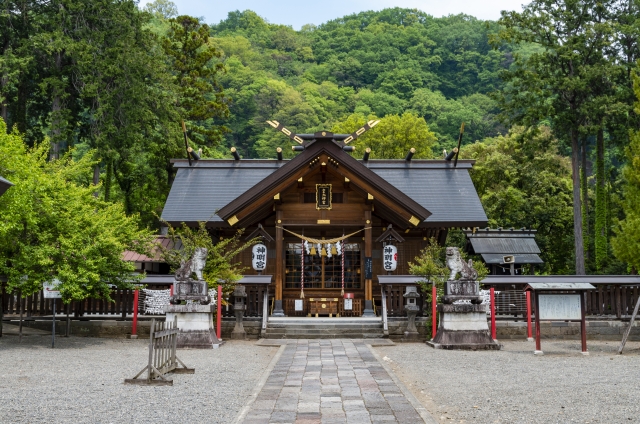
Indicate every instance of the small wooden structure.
{"type": "Point", "coordinates": [162, 356]}
{"type": "Point", "coordinates": [560, 302]}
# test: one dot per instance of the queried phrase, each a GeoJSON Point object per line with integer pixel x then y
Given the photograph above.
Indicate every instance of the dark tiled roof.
{"type": "Point", "coordinates": [4, 185]}
{"type": "Point", "coordinates": [494, 244]}
{"type": "Point", "coordinates": [448, 193]}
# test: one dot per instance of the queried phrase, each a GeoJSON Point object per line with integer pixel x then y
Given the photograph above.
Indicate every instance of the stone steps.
{"type": "Point", "coordinates": [310, 328]}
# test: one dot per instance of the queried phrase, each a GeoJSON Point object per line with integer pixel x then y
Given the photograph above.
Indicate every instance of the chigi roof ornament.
{"type": "Point", "coordinates": [305, 139]}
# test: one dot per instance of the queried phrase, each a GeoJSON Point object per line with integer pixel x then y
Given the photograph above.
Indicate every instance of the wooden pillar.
{"type": "Point", "coordinates": [277, 309]}
{"type": "Point", "coordinates": [368, 287]}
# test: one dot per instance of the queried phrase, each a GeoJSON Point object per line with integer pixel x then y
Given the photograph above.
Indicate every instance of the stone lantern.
{"type": "Point", "coordinates": [412, 308]}
{"type": "Point", "coordinates": [239, 306]}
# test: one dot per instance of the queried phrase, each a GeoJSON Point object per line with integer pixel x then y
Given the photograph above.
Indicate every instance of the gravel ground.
{"type": "Point", "coordinates": [514, 386]}
{"type": "Point", "coordinates": [81, 381]}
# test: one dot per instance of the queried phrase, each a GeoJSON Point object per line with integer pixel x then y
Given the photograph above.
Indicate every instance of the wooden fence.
{"type": "Point", "coordinates": [608, 300]}
{"type": "Point", "coordinates": [121, 308]}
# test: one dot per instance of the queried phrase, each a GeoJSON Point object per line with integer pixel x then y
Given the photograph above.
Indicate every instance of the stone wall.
{"type": "Point", "coordinates": [596, 330]}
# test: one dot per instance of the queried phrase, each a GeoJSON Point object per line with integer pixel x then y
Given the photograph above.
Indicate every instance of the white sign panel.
{"type": "Point", "coordinates": [560, 306]}
{"type": "Point", "coordinates": [259, 257]}
{"type": "Point", "coordinates": [298, 304]}
{"type": "Point", "coordinates": [390, 258]}
{"type": "Point", "coordinates": [348, 304]}
{"type": "Point", "coordinates": [50, 289]}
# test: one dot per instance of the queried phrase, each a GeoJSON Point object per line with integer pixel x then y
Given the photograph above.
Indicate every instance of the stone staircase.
{"type": "Point", "coordinates": [323, 328]}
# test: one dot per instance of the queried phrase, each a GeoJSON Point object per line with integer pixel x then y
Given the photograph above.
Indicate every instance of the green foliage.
{"type": "Point", "coordinates": [626, 243]}
{"type": "Point", "coordinates": [392, 137]}
{"type": "Point", "coordinates": [431, 264]}
{"type": "Point", "coordinates": [53, 227]}
{"type": "Point", "coordinates": [522, 181]}
{"type": "Point", "coordinates": [201, 99]}
{"type": "Point", "coordinates": [221, 267]}
{"type": "Point", "coordinates": [372, 63]}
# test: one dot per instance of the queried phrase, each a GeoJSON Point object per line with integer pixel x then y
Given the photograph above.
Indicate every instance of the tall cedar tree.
{"type": "Point", "coordinates": [557, 81]}
{"type": "Point", "coordinates": [201, 99]}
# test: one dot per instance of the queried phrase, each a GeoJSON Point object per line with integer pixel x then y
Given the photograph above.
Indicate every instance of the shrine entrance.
{"type": "Point", "coordinates": [327, 273]}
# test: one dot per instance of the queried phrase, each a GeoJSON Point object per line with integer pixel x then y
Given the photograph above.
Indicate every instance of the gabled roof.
{"type": "Point", "coordinates": [494, 244]}
{"type": "Point", "coordinates": [301, 164]}
{"type": "Point", "coordinates": [199, 191]}
{"type": "Point", "coordinates": [4, 185]}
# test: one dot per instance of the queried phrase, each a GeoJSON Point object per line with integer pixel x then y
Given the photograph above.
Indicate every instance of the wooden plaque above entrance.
{"type": "Point", "coordinates": [323, 196]}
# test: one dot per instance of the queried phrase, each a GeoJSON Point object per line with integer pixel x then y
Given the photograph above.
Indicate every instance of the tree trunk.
{"type": "Point", "coordinates": [577, 210]}
{"type": "Point", "coordinates": [601, 206]}
{"type": "Point", "coordinates": [56, 110]}
{"type": "Point", "coordinates": [107, 182]}
{"type": "Point", "coordinates": [585, 198]}
{"type": "Point", "coordinates": [96, 178]}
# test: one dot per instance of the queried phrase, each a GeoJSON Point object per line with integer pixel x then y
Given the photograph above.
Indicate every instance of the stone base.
{"type": "Point", "coordinates": [196, 326]}
{"type": "Point", "coordinates": [412, 337]}
{"type": "Point", "coordinates": [238, 335]}
{"type": "Point", "coordinates": [463, 327]}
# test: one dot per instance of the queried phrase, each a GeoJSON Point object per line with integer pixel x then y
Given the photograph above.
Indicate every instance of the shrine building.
{"type": "Point", "coordinates": [326, 216]}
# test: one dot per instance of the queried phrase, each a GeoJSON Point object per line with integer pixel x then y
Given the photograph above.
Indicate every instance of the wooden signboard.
{"type": "Point", "coordinates": [560, 307]}
{"type": "Point", "coordinates": [323, 196]}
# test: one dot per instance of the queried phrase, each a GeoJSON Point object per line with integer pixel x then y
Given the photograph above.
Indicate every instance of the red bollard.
{"type": "Point", "coordinates": [493, 313]}
{"type": "Point", "coordinates": [529, 333]}
{"type": "Point", "coordinates": [134, 325]}
{"type": "Point", "coordinates": [434, 304]}
{"type": "Point", "coordinates": [219, 317]}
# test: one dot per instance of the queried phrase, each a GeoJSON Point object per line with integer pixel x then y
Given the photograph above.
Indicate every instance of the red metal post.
{"type": "Point", "coordinates": [434, 304]}
{"type": "Point", "coordinates": [219, 315]}
{"type": "Point", "coordinates": [529, 333]}
{"type": "Point", "coordinates": [538, 348]}
{"type": "Point", "coordinates": [493, 313]}
{"type": "Point", "coordinates": [583, 324]}
{"type": "Point", "coordinates": [134, 326]}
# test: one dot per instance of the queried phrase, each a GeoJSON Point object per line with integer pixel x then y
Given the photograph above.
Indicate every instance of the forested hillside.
{"type": "Point", "coordinates": [374, 63]}
{"type": "Point", "coordinates": [546, 96]}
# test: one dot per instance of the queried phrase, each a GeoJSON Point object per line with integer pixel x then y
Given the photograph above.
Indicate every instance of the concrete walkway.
{"type": "Point", "coordinates": [331, 381]}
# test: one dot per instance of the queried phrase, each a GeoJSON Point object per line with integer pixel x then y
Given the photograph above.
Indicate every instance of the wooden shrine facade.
{"type": "Point", "coordinates": [325, 193]}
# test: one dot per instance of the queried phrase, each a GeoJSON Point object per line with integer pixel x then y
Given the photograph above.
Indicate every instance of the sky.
{"type": "Point", "coordinates": [299, 12]}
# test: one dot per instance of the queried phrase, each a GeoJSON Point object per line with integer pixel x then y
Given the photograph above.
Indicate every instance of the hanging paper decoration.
{"type": "Point", "coordinates": [339, 248]}
{"type": "Point", "coordinates": [342, 249]}
{"type": "Point", "coordinates": [390, 259]}
{"type": "Point", "coordinates": [259, 257]}
{"type": "Point", "coordinates": [302, 273]}
{"type": "Point", "coordinates": [306, 246]}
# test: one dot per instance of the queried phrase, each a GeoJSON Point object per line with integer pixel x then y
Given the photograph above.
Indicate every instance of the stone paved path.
{"type": "Point", "coordinates": [330, 381]}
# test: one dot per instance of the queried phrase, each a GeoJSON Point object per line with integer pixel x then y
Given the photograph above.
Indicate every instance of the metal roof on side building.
{"type": "Point", "coordinates": [4, 185]}
{"type": "Point", "coordinates": [447, 192]}
{"type": "Point", "coordinates": [494, 244]}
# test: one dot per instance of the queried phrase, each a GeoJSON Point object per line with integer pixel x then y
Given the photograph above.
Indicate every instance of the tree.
{"type": "Point", "coordinates": [431, 264]}
{"type": "Point", "coordinates": [54, 228]}
{"type": "Point", "coordinates": [392, 137]}
{"type": "Point", "coordinates": [556, 82]}
{"type": "Point", "coordinates": [626, 242]}
{"type": "Point", "coordinates": [523, 181]}
{"type": "Point", "coordinates": [201, 98]}
{"type": "Point", "coordinates": [222, 267]}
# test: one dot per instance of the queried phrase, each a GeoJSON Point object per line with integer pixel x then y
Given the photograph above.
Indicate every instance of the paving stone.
{"type": "Point", "coordinates": [330, 382]}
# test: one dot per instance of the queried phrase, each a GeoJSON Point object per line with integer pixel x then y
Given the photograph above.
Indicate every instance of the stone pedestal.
{"type": "Point", "coordinates": [277, 309]}
{"type": "Point", "coordinates": [463, 325]}
{"type": "Point", "coordinates": [411, 333]}
{"type": "Point", "coordinates": [196, 326]}
{"type": "Point", "coordinates": [238, 332]}
{"type": "Point", "coordinates": [368, 309]}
